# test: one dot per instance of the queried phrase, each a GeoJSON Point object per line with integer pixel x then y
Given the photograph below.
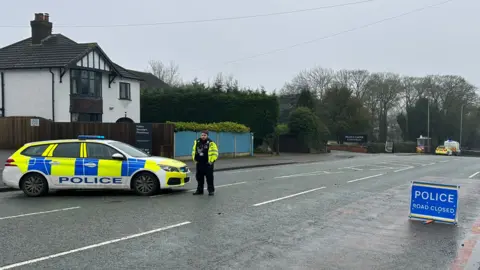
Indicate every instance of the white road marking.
{"type": "Point", "coordinates": [404, 169]}
{"type": "Point", "coordinates": [443, 161]}
{"type": "Point", "coordinates": [91, 246]}
{"type": "Point", "coordinates": [363, 178]}
{"type": "Point", "coordinates": [289, 196]}
{"type": "Point", "coordinates": [354, 168]}
{"type": "Point", "coordinates": [410, 163]}
{"type": "Point", "coordinates": [397, 163]}
{"type": "Point", "coordinates": [380, 166]}
{"type": "Point", "coordinates": [251, 170]}
{"type": "Point", "coordinates": [473, 175]}
{"type": "Point", "coordinates": [301, 174]}
{"type": "Point", "coordinates": [226, 185]}
{"type": "Point", "coordinates": [428, 164]}
{"type": "Point", "coordinates": [40, 213]}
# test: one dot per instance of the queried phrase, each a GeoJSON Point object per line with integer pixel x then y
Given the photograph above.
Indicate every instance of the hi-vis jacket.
{"type": "Point", "coordinates": [212, 150]}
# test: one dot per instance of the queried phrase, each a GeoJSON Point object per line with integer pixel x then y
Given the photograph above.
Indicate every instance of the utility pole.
{"type": "Point", "coordinates": [428, 118]}
{"type": "Point", "coordinates": [428, 126]}
{"type": "Point", "coordinates": [461, 124]}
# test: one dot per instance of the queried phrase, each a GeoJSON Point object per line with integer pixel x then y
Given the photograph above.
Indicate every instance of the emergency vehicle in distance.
{"type": "Point", "coordinates": [90, 162]}
{"type": "Point", "coordinates": [449, 148]}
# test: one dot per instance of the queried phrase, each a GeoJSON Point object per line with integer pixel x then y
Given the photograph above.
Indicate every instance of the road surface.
{"type": "Point", "coordinates": [341, 214]}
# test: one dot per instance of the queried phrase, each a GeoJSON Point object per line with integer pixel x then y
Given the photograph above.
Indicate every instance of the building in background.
{"type": "Point", "coordinates": [51, 76]}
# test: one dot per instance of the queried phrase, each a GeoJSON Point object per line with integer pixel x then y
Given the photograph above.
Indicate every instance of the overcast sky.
{"type": "Point", "coordinates": [439, 40]}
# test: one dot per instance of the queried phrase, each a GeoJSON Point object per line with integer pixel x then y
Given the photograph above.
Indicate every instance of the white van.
{"type": "Point", "coordinates": [453, 147]}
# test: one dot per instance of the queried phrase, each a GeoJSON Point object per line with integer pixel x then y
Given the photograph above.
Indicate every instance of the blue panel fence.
{"type": "Point", "coordinates": [229, 144]}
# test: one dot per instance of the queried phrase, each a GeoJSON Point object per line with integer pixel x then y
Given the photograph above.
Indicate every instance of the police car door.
{"type": "Point", "coordinates": [100, 168]}
{"type": "Point", "coordinates": [66, 165]}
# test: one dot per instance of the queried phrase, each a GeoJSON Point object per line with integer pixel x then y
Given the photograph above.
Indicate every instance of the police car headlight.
{"type": "Point", "coordinates": [169, 168]}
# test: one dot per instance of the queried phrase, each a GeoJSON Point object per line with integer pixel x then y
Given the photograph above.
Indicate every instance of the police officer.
{"type": "Point", "coordinates": [204, 153]}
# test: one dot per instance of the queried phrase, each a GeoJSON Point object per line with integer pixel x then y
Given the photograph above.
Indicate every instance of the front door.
{"type": "Point", "coordinates": [100, 169]}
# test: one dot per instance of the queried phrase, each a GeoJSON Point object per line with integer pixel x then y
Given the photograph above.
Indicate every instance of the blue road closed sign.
{"type": "Point", "coordinates": [432, 201]}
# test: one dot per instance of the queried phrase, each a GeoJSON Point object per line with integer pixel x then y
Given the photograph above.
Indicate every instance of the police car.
{"type": "Point", "coordinates": [90, 162]}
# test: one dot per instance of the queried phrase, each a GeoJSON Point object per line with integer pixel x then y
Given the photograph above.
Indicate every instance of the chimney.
{"type": "Point", "coordinates": [41, 27]}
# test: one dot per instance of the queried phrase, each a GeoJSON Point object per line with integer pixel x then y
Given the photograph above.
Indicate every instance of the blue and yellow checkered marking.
{"type": "Point", "coordinates": [79, 166]}
{"type": "Point", "coordinates": [102, 167]}
{"type": "Point", "coordinates": [131, 165]}
{"type": "Point", "coordinates": [40, 164]}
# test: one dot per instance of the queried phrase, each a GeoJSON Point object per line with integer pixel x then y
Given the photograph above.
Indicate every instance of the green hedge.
{"type": "Point", "coordinates": [470, 153]}
{"type": "Point", "coordinates": [398, 147]}
{"type": "Point", "coordinates": [259, 111]}
{"type": "Point", "coordinates": [217, 127]}
{"type": "Point", "coordinates": [375, 148]}
{"type": "Point", "coordinates": [405, 147]}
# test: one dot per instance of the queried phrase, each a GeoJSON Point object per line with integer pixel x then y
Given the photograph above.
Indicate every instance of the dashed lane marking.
{"type": "Point", "coordinates": [289, 196]}
{"type": "Point", "coordinates": [353, 168]}
{"type": "Point", "coordinates": [304, 174]}
{"type": "Point", "coordinates": [473, 175]}
{"type": "Point", "coordinates": [219, 186]}
{"type": "Point", "coordinates": [40, 213]}
{"type": "Point", "coordinates": [404, 169]}
{"type": "Point", "coordinates": [226, 185]}
{"type": "Point", "coordinates": [29, 262]}
{"type": "Point", "coordinates": [364, 178]}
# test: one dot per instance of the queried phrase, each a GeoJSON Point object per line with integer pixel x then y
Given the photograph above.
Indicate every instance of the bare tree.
{"type": "Point", "coordinates": [385, 89]}
{"type": "Point", "coordinates": [343, 78]}
{"type": "Point", "coordinates": [167, 73]}
{"type": "Point", "coordinates": [359, 79]}
{"type": "Point", "coordinates": [355, 80]}
{"type": "Point", "coordinates": [317, 80]}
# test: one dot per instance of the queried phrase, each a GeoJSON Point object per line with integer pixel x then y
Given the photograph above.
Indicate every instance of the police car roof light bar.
{"type": "Point", "coordinates": [91, 137]}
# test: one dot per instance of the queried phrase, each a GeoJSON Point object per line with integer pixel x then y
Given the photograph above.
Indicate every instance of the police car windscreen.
{"type": "Point", "coordinates": [129, 150]}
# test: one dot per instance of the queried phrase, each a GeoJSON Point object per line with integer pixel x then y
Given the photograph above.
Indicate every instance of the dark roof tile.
{"type": "Point", "coordinates": [150, 81]}
{"type": "Point", "coordinates": [126, 73]}
{"type": "Point", "coordinates": [56, 50]}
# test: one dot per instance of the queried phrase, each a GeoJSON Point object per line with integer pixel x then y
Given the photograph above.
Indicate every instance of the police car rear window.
{"type": "Point", "coordinates": [35, 151]}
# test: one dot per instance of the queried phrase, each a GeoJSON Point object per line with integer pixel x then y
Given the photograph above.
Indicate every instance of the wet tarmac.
{"type": "Point", "coordinates": [340, 214]}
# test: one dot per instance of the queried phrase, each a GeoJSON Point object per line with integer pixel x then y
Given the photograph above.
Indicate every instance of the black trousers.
{"type": "Point", "coordinates": [204, 171]}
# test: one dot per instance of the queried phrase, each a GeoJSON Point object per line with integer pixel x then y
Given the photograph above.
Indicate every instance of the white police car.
{"type": "Point", "coordinates": [90, 162]}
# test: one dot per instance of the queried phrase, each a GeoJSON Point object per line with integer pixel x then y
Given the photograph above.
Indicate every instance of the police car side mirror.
{"type": "Point", "coordinates": [118, 156]}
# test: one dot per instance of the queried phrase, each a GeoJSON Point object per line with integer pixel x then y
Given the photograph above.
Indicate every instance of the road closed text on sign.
{"type": "Point", "coordinates": [434, 201]}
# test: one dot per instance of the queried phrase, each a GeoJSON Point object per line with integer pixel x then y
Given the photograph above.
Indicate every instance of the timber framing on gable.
{"type": "Point", "coordinates": [94, 60]}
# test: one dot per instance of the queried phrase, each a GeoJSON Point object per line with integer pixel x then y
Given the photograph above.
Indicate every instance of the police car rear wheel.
{"type": "Point", "coordinates": [34, 185]}
{"type": "Point", "coordinates": [146, 184]}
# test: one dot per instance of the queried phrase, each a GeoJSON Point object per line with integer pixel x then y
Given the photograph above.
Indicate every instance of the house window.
{"type": "Point", "coordinates": [86, 117]}
{"type": "Point", "coordinates": [125, 91]}
{"type": "Point", "coordinates": [85, 83]}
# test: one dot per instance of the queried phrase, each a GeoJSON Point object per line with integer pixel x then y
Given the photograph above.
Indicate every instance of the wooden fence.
{"type": "Point", "coordinates": [16, 131]}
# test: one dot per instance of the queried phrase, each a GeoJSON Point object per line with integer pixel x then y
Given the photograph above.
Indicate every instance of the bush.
{"type": "Point", "coordinates": [281, 129]}
{"type": "Point", "coordinates": [376, 147]}
{"type": "Point", "coordinates": [405, 147]}
{"type": "Point", "coordinates": [398, 147]}
{"type": "Point", "coordinates": [217, 127]}
{"type": "Point", "coordinates": [307, 127]}
{"type": "Point", "coordinates": [470, 153]}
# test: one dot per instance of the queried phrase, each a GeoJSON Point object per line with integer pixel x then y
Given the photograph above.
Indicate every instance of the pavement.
{"type": "Point", "coordinates": [346, 213]}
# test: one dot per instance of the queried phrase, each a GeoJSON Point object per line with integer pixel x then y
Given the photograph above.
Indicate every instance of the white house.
{"type": "Point", "coordinates": [51, 76]}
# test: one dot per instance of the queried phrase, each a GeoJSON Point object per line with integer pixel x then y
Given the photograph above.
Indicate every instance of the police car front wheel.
{"type": "Point", "coordinates": [34, 185]}
{"type": "Point", "coordinates": [145, 184]}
